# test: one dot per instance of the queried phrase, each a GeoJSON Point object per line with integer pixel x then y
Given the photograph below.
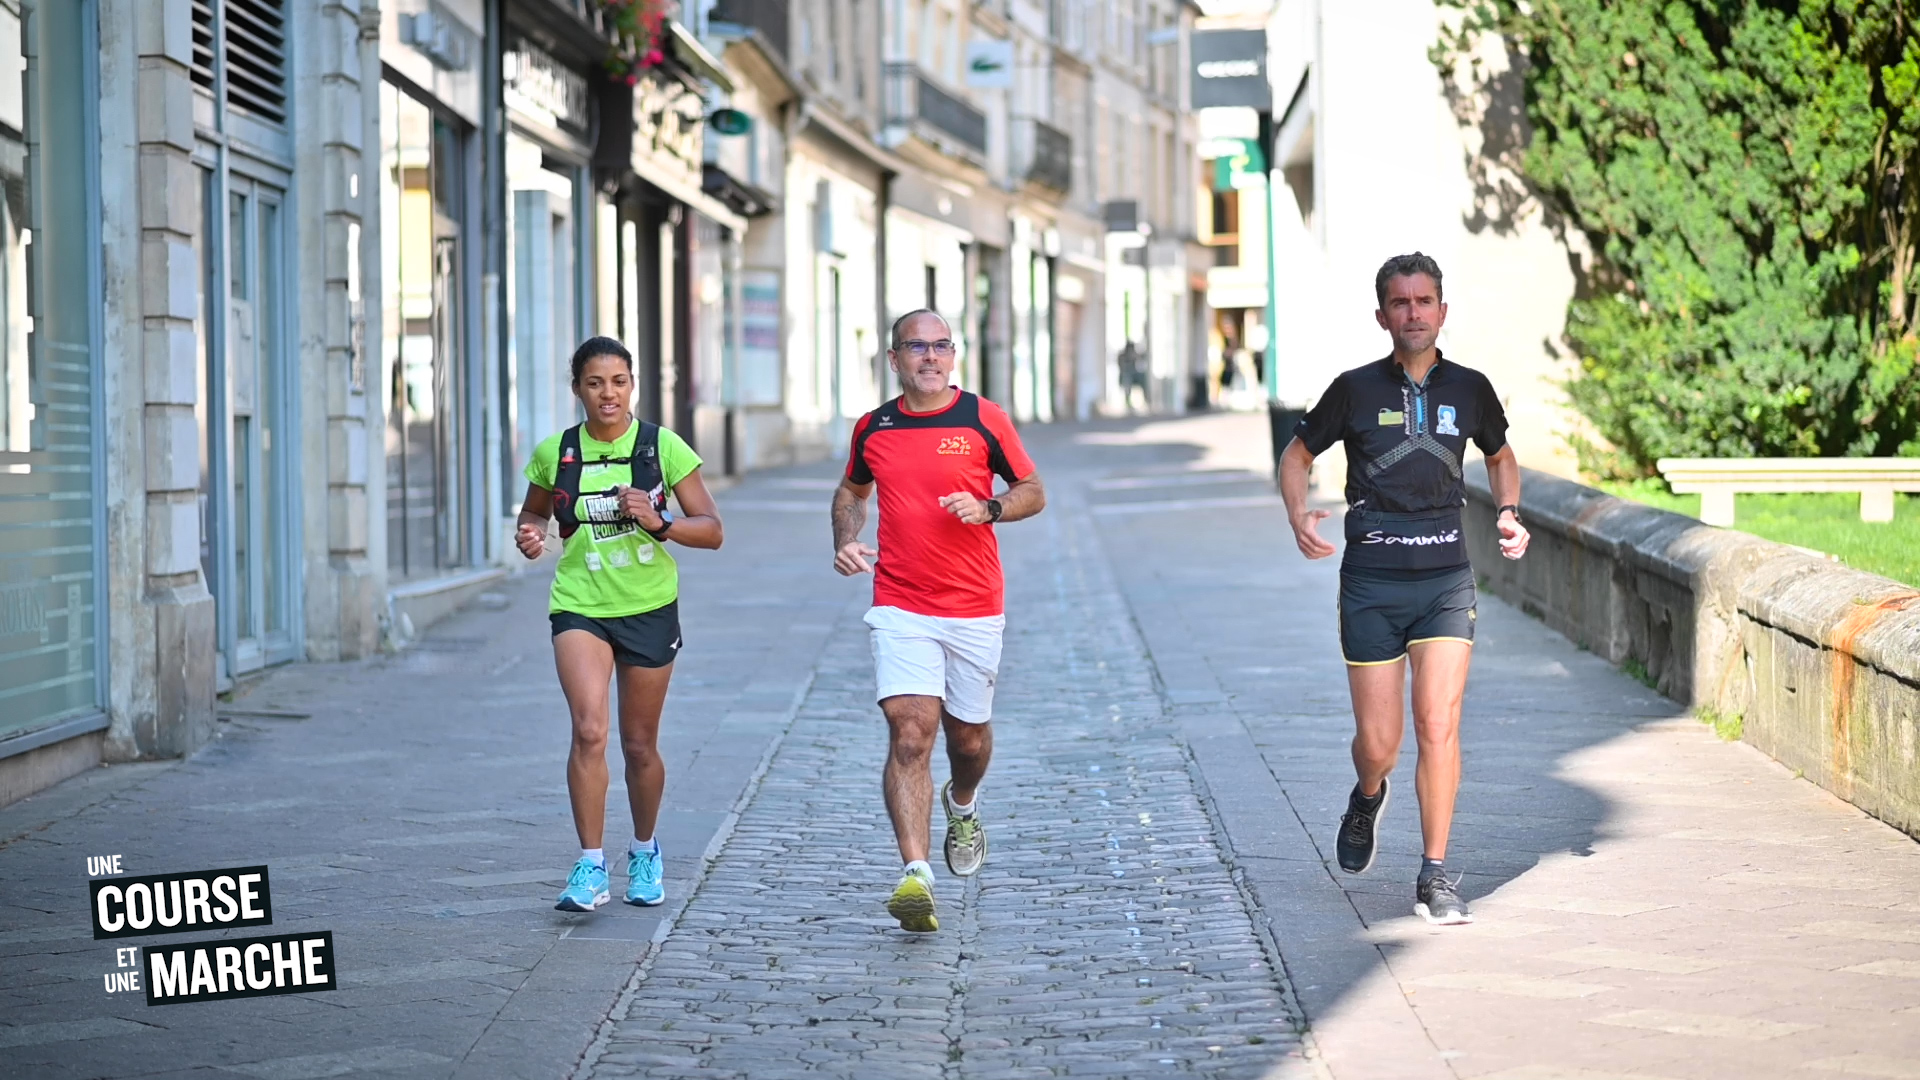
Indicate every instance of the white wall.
{"type": "Point", "coordinates": [1390, 177]}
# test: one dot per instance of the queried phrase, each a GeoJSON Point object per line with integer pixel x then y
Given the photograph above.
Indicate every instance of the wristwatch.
{"type": "Point", "coordinates": [994, 510]}
{"type": "Point", "coordinates": [1510, 506]}
{"type": "Point", "coordinates": [666, 522]}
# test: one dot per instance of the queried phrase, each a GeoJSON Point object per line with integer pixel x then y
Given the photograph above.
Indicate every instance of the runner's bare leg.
{"type": "Point", "coordinates": [1439, 684]}
{"type": "Point", "coordinates": [913, 722]}
{"type": "Point", "coordinates": [969, 749]}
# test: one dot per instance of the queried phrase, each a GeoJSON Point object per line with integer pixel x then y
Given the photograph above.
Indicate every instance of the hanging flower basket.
{"type": "Point", "coordinates": [639, 28]}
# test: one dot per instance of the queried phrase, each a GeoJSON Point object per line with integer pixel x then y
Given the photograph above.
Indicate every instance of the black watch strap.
{"type": "Point", "coordinates": [994, 510]}
{"type": "Point", "coordinates": [1515, 507]}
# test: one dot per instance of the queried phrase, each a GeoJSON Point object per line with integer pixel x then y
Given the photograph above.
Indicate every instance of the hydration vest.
{"type": "Point", "coordinates": [602, 508]}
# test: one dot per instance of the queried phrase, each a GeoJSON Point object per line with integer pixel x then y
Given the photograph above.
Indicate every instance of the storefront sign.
{"type": "Point", "coordinates": [1230, 69]}
{"type": "Point", "coordinates": [1237, 163]}
{"type": "Point", "coordinates": [667, 121]}
{"type": "Point", "coordinates": [536, 83]}
{"type": "Point", "coordinates": [989, 64]}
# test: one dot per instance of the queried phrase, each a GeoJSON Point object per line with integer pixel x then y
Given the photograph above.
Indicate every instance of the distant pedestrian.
{"type": "Point", "coordinates": [938, 607]}
{"type": "Point", "coordinates": [1406, 591]}
{"type": "Point", "coordinates": [1132, 375]}
{"type": "Point", "coordinates": [615, 604]}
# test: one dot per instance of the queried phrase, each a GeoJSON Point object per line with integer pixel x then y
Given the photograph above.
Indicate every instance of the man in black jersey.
{"type": "Point", "coordinates": [1406, 591]}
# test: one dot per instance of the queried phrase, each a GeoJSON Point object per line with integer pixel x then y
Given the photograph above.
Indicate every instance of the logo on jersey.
{"type": "Point", "coordinates": [1392, 417]}
{"type": "Point", "coordinates": [955, 444]}
{"type": "Point", "coordinates": [1446, 415]}
{"type": "Point", "coordinates": [1448, 536]}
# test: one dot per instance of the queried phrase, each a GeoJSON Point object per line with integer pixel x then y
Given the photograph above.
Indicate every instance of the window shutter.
{"type": "Point", "coordinates": [203, 43]}
{"type": "Point", "coordinates": [256, 33]}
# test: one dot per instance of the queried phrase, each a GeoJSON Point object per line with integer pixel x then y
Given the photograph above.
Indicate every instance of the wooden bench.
{"type": "Point", "coordinates": [1717, 480]}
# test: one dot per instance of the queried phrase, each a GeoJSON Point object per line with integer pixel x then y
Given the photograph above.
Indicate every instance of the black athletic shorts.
{"type": "Point", "coordinates": [1383, 613]}
{"type": "Point", "coordinates": [650, 639]}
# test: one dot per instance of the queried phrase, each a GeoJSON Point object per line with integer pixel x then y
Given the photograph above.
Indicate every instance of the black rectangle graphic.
{"type": "Point", "coordinates": [239, 967]}
{"type": "Point", "coordinates": [180, 903]}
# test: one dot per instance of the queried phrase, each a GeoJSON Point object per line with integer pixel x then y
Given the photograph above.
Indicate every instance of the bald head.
{"type": "Point", "coordinates": [925, 324]}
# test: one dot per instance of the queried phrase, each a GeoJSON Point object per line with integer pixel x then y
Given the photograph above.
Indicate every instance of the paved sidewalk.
{"type": "Point", "coordinates": [1651, 902]}
{"type": "Point", "coordinates": [415, 806]}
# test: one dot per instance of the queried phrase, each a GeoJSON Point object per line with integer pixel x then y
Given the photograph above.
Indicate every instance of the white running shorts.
{"type": "Point", "coordinates": [956, 660]}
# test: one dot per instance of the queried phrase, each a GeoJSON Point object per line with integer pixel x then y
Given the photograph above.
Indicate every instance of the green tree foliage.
{"type": "Point", "coordinates": [1747, 174]}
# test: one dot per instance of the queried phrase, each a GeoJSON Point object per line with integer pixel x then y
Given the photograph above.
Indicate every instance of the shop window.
{"type": "Point", "coordinates": [49, 307]}
{"type": "Point", "coordinates": [422, 342]}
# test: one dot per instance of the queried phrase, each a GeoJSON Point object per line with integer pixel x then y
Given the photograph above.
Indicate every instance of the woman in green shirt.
{"type": "Point", "coordinates": [615, 602]}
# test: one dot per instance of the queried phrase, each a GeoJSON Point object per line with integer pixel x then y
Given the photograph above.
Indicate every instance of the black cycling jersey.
{"type": "Point", "coordinates": [1404, 443]}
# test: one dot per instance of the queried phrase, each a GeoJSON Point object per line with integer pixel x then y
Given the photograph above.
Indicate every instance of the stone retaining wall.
{"type": "Point", "coordinates": [1821, 662]}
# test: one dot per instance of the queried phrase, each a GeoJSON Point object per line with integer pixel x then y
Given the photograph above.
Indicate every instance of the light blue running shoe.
{"type": "Point", "coordinates": [645, 886]}
{"type": "Point", "coordinates": [586, 888]}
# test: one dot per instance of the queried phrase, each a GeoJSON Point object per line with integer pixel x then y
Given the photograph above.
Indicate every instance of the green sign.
{"type": "Point", "coordinates": [1237, 158]}
{"type": "Point", "coordinates": [729, 122]}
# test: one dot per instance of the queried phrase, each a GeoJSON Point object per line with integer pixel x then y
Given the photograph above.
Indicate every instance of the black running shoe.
{"type": "Point", "coordinates": [1360, 830]}
{"type": "Point", "coordinates": [1437, 900]}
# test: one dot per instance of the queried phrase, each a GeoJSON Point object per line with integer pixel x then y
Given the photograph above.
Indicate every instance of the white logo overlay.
{"type": "Point", "coordinates": [1446, 415]}
{"type": "Point", "coordinates": [1451, 536]}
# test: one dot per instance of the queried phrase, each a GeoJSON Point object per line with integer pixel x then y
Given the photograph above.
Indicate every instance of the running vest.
{"type": "Point", "coordinates": [1377, 540]}
{"type": "Point", "coordinates": [602, 508]}
{"type": "Point", "coordinates": [1429, 540]}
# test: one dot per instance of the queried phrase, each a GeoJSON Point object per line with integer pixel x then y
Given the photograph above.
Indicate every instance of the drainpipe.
{"type": "Point", "coordinates": [371, 371]}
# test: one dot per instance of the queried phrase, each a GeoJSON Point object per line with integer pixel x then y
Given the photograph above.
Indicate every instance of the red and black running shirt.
{"type": "Point", "coordinates": [931, 563]}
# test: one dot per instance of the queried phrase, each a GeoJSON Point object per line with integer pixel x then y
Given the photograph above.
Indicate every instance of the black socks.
{"type": "Point", "coordinates": [1430, 868]}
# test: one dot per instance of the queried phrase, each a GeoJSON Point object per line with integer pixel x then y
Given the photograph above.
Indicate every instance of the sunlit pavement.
{"type": "Point", "coordinates": [1171, 763]}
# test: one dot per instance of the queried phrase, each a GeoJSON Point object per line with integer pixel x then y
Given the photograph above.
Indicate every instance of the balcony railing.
{"type": "Point", "coordinates": [913, 99]}
{"type": "Point", "coordinates": [1043, 154]}
{"type": "Point", "coordinates": [767, 16]}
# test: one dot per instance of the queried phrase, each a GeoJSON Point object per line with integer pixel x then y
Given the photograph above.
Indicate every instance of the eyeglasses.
{"type": "Point", "coordinates": [914, 347]}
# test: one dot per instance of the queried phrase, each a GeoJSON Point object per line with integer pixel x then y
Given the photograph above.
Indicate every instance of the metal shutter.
{"type": "Point", "coordinates": [255, 33]}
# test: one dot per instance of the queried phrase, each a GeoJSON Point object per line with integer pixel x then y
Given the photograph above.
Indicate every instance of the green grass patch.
{"type": "Point", "coordinates": [1729, 726]}
{"type": "Point", "coordinates": [1823, 521]}
{"type": "Point", "coordinates": [1638, 670]}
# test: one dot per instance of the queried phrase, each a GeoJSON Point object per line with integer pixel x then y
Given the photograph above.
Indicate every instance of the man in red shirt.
{"type": "Point", "coordinates": [937, 616]}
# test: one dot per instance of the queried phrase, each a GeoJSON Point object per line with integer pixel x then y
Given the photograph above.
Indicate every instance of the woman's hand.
{"type": "Point", "coordinates": [636, 504]}
{"type": "Point", "coordinates": [531, 539]}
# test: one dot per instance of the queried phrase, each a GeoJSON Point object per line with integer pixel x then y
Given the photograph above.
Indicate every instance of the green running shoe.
{"type": "Point", "coordinates": [966, 845]}
{"type": "Point", "coordinates": [912, 904]}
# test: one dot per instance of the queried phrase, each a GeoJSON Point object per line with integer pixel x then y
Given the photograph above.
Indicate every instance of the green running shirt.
{"type": "Point", "coordinates": [612, 572]}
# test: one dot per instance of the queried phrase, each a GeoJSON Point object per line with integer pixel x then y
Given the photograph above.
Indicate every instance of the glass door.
{"type": "Point", "coordinates": [246, 502]}
{"type": "Point", "coordinates": [422, 341]}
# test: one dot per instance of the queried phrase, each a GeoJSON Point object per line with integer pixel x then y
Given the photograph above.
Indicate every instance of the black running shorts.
{"type": "Point", "coordinates": [1380, 615]}
{"type": "Point", "coordinates": [650, 639]}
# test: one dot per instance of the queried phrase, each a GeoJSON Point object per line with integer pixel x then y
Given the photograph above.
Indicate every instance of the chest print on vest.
{"type": "Point", "coordinates": [1413, 420]}
{"type": "Point", "coordinates": [955, 444]}
{"type": "Point", "coordinates": [1445, 415]}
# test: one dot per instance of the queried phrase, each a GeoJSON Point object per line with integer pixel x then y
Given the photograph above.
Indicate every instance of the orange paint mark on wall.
{"type": "Point", "coordinates": [1857, 622]}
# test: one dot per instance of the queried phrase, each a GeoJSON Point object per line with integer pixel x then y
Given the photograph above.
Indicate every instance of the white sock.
{"type": "Point", "coordinates": [594, 855]}
{"type": "Point", "coordinates": [649, 846]}
{"type": "Point", "coordinates": [965, 809]}
{"type": "Point", "coordinates": [921, 867]}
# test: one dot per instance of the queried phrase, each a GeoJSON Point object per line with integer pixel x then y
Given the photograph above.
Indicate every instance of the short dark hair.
{"type": "Point", "coordinates": [894, 334]}
{"type": "Point", "coordinates": [1407, 266]}
{"type": "Point", "coordinates": [599, 346]}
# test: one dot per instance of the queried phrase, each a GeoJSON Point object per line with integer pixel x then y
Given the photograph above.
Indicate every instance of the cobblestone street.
{"type": "Point", "coordinates": [1105, 937]}
{"type": "Point", "coordinates": [1170, 762]}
